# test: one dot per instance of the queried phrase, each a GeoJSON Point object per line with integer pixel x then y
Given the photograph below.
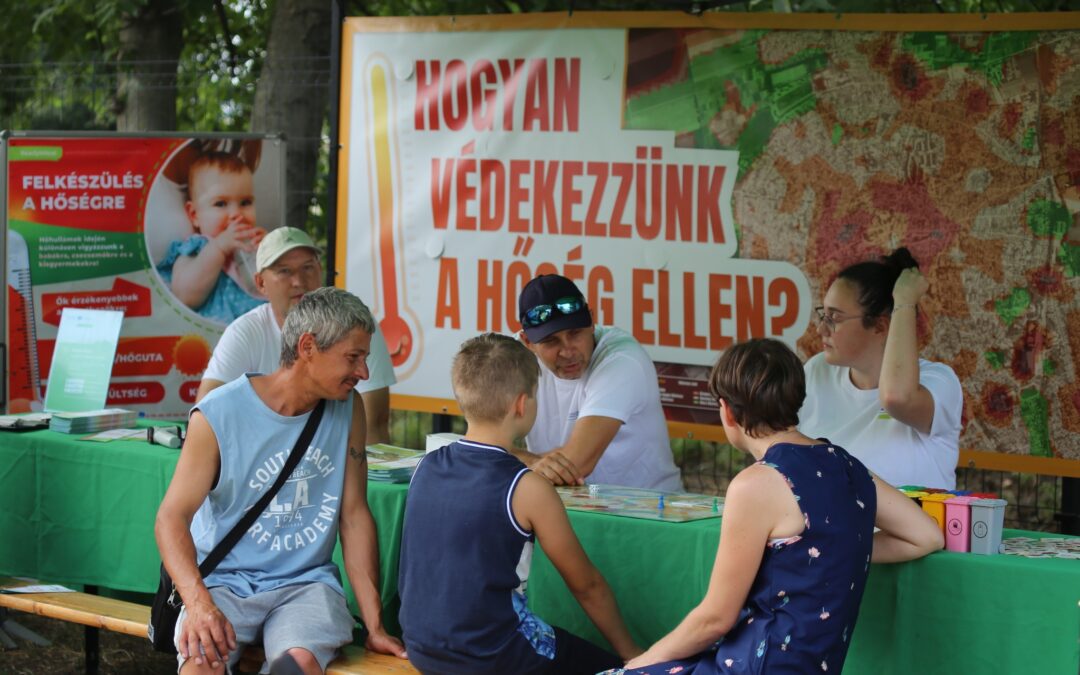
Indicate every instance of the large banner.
{"type": "Point", "coordinates": [161, 228]}
{"type": "Point", "coordinates": [704, 183]}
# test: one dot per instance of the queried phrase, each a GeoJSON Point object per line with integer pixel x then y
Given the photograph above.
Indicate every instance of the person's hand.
{"type": "Point", "coordinates": [257, 239]}
{"type": "Point", "coordinates": [558, 469]}
{"type": "Point", "coordinates": [909, 287]}
{"type": "Point", "coordinates": [206, 636]}
{"type": "Point", "coordinates": [640, 661]}
{"type": "Point", "coordinates": [380, 641]}
{"type": "Point", "coordinates": [238, 235]}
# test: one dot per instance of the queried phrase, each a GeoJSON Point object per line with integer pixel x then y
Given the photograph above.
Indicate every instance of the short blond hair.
{"type": "Point", "coordinates": [489, 372]}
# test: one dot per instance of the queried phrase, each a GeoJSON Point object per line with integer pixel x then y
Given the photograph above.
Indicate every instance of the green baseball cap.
{"type": "Point", "coordinates": [280, 241]}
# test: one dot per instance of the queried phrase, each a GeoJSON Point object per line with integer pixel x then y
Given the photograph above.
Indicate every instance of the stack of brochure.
{"type": "Point", "coordinates": [25, 421]}
{"type": "Point", "coordinates": [92, 420]}
{"type": "Point", "coordinates": [391, 464]}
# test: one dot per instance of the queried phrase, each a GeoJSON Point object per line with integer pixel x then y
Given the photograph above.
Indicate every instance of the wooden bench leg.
{"type": "Point", "coordinates": [10, 628]}
{"type": "Point", "coordinates": [91, 641]}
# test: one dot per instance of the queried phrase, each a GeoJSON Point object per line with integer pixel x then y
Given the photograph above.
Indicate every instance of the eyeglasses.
{"type": "Point", "coordinates": [541, 314]}
{"type": "Point", "coordinates": [830, 320]}
{"type": "Point", "coordinates": [284, 272]}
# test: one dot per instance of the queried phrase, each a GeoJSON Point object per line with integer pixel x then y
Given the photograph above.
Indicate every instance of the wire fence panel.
{"type": "Point", "coordinates": [707, 468]}
{"type": "Point", "coordinates": [90, 96]}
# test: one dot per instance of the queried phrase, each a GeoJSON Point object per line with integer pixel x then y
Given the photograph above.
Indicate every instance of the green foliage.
{"type": "Point", "coordinates": [218, 68]}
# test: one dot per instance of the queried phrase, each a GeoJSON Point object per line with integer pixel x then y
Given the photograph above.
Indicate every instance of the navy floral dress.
{"type": "Point", "coordinates": [802, 606]}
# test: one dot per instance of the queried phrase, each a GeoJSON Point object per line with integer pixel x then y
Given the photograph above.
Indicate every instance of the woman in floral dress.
{"type": "Point", "coordinates": [796, 540]}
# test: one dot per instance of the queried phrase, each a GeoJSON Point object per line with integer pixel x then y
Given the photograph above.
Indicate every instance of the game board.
{"type": "Point", "coordinates": [1048, 547]}
{"type": "Point", "coordinates": [677, 507]}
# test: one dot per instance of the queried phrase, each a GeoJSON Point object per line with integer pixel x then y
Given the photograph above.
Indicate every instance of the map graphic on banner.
{"type": "Point", "coordinates": [962, 147]}
{"type": "Point", "coordinates": [117, 223]}
{"type": "Point", "coordinates": [706, 185]}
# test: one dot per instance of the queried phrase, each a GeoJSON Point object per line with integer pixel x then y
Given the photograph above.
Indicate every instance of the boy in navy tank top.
{"type": "Point", "coordinates": [473, 513]}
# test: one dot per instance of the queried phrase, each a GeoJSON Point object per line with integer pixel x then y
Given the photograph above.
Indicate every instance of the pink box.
{"type": "Point", "coordinates": [958, 524]}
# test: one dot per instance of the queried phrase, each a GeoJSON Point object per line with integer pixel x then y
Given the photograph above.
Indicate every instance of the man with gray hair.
{"type": "Point", "coordinates": [279, 581]}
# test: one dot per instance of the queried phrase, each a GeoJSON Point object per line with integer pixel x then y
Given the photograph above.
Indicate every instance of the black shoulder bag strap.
{"type": "Point", "coordinates": [225, 545]}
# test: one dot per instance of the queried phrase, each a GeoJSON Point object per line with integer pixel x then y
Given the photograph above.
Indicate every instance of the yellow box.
{"type": "Point", "coordinates": [934, 504]}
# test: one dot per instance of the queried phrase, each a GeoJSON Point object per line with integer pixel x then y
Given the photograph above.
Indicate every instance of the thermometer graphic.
{"type": "Point", "coordinates": [25, 377]}
{"type": "Point", "coordinates": [401, 339]}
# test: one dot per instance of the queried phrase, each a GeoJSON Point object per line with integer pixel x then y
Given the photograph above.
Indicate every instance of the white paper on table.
{"type": "Point", "coordinates": [38, 588]}
{"type": "Point", "coordinates": [115, 434]}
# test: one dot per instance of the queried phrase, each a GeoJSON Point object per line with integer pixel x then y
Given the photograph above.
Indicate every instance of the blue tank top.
{"type": "Point", "coordinates": [464, 567]}
{"type": "Point", "coordinates": [293, 540]}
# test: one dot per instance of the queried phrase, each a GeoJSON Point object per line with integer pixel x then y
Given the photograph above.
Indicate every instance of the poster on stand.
{"type": "Point", "coordinates": [163, 228]}
{"type": "Point", "coordinates": [82, 359]}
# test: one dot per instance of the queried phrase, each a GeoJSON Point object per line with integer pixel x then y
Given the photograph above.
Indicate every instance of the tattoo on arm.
{"type": "Point", "coordinates": [358, 455]}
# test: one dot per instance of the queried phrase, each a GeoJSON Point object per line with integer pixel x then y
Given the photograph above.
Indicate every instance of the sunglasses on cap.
{"type": "Point", "coordinates": [541, 314]}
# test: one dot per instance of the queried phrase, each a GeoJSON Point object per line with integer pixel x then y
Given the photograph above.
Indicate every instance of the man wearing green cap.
{"type": "Point", "coordinates": [286, 267]}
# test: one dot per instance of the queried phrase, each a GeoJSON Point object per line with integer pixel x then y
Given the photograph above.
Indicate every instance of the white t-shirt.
{"type": "Point", "coordinates": [620, 382]}
{"type": "Point", "coordinates": [854, 419]}
{"type": "Point", "coordinates": [252, 344]}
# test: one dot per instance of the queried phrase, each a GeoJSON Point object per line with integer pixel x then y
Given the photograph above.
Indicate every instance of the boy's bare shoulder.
{"type": "Point", "coordinates": [536, 501]}
{"type": "Point", "coordinates": [535, 488]}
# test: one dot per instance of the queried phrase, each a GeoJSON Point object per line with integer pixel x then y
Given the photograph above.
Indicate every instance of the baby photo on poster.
{"type": "Point", "coordinates": [208, 208]}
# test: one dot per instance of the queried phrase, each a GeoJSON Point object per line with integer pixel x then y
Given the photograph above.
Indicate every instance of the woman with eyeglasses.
{"type": "Point", "coordinates": [868, 391]}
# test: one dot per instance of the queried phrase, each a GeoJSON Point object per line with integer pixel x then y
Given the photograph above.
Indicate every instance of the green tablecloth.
{"type": "Point", "coordinates": [82, 512]}
{"type": "Point", "coordinates": [947, 613]}
{"type": "Point", "coordinates": [79, 512]}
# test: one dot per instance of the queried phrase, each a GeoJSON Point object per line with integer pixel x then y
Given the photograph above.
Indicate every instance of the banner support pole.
{"type": "Point", "coordinates": [337, 23]}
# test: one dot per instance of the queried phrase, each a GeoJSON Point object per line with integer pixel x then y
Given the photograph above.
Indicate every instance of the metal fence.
{"type": "Point", "coordinates": [83, 95]}
{"type": "Point", "coordinates": [89, 96]}
{"type": "Point", "coordinates": [1035, 502]}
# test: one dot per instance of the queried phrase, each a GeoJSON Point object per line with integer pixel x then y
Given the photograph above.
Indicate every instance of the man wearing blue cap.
{"type": "Point", "coordinates": [598, 402]}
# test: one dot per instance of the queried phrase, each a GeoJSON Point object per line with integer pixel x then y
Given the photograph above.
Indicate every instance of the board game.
{"type": "Point", "coordinates": [677, 507]}
{"type": "Point", "coordinates": [1047, 547]}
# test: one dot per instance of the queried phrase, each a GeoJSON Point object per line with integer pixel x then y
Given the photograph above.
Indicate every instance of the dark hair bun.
{"type": "Point", "coordinates": [900, 259]}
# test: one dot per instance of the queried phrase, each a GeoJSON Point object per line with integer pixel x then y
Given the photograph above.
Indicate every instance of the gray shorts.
{"type": "Point", "coordinates": [310, 616]}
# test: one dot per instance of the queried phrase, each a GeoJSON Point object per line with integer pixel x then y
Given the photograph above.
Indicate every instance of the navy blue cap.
{"type": "Point", "coordinates": [547, 289]}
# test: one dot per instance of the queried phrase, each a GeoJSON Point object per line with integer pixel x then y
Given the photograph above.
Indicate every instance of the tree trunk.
{"type": "Point", "coordinates": [291, 94]}
{"type": "Point", "coordinates": [150, 44]}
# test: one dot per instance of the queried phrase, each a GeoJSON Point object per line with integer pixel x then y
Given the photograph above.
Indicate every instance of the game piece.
{"type": "Point", "coordinates": [958, 524]}
{"type": "Point", "coordinates": [934, 505]}
{"type": "Point", "coordinates": [987, 519]}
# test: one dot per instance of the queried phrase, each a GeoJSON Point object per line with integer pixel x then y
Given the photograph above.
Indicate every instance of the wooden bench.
{"type": "Point", "coordinates": [119, 616]}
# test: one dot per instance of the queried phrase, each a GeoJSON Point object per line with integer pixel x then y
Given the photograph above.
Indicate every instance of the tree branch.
{"type": "Point", "coordinates": [223, 19]}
